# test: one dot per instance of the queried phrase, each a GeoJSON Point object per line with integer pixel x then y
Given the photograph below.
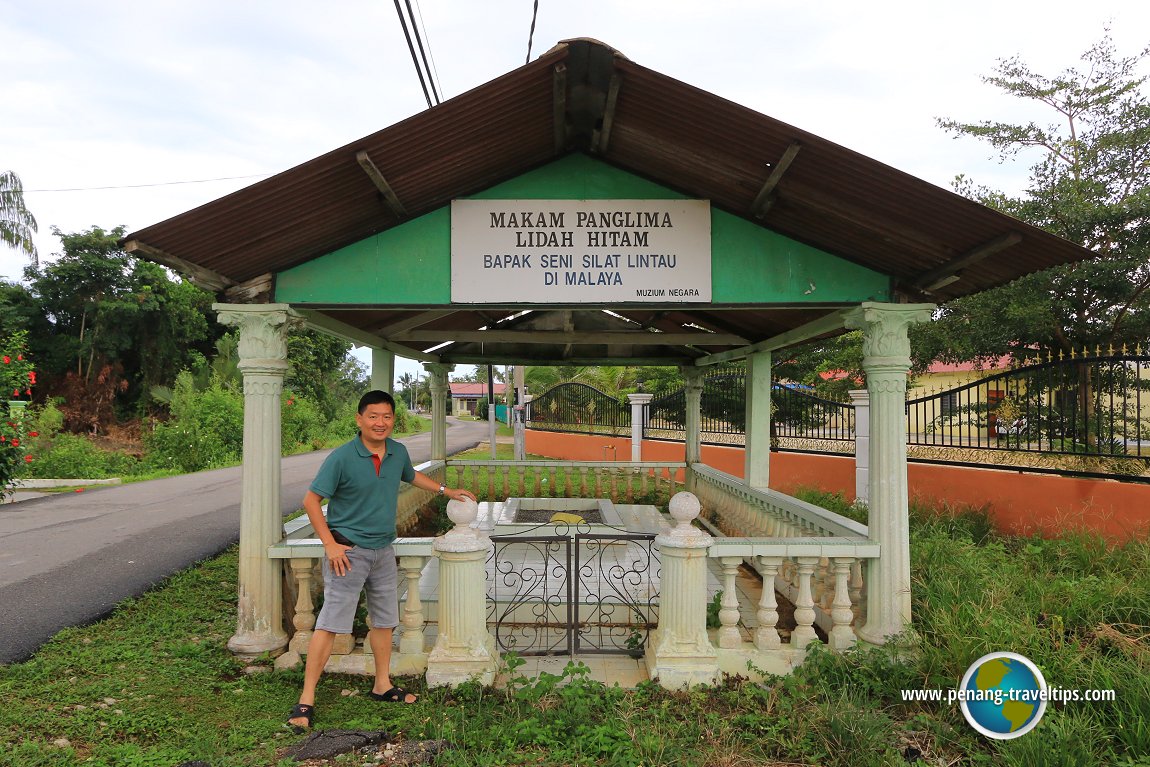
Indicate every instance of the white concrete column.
{"type": "Point", "coordinates": [679, 652]}
{"type": "Point", "coordinates": [886, 360]}
{"type": "Point", "coordinates": [382, 370]}
{"type": "Point", "coordinates": [693, 397]}
{"type": "Point", "coordinates": [638, 418]}
{"type": "Point", "coordinates": [757, 455]}
{"type": "Point", "coordinates": [263, 332]}
{"type": "Point", "coordinates": [464, 649]}
{"type": "Point", "coordinates": [860, 398]}
{"type": "Point", "coordinates": [439, 392]}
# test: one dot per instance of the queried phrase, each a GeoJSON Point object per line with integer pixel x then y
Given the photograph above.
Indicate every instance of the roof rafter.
{"type": "Point", "coordinates": [766, 196]}
{"type": "Point", "coordinates": [949, 272]}
{"type": "Point", "coordinates": [573, 337]}
{"type": "Point", "coordinates": [393, 202]}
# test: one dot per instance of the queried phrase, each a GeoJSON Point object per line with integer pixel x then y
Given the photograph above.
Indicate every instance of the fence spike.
{"type": "Point", "coordinates": [1110, 350]}
{"type": "Point", "coordinates": [1123, 350]}
{"type": "Point", "coordinates": [1138, 349]}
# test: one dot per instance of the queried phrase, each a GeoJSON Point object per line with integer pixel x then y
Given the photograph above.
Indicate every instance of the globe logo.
{"type": "Point", "coordinates": [1003, 695]}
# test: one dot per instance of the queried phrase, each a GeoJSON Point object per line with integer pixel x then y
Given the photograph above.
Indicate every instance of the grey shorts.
{"type": "Point", "coordinates": [373, 571]}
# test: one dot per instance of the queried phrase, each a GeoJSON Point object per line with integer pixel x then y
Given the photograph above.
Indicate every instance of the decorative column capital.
{"type": "Point", "coordinates": [639, 399]}
{"type": "Point", "coordinates": [692, 376]}
{"type": "Point", "coordinates": [438, 372]}
{"type": "Point", "coordinates": [884, 327]}
{"type": "Point", "coordinates": [263, 333]}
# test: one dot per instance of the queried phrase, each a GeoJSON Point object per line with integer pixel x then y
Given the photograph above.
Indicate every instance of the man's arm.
{"type": "Point", "coordinates": [336, 553]}
{"type": "Point", "coordinates": [424, 482]}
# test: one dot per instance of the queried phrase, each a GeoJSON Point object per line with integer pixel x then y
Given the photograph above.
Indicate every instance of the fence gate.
{"type": "Point", "coordinates": [571, 593]}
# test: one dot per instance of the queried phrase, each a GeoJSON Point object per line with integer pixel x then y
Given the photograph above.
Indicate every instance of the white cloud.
{"type": "Point", "coordinates": [138, 91]}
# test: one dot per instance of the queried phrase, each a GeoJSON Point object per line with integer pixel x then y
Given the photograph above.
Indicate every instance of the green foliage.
{"type": "Point", "coordinates": [16, 376]}
{"type": "Point", "coordinates": [72, 456]}
{"type": "Point", "coordinates": [205, 431]}
{"type": "Point", "coordinates": [104, 310]}
{"type": "Point", "coordinates": [1089, 185]}
{"type": "Point", "coordinates": [17, 224]}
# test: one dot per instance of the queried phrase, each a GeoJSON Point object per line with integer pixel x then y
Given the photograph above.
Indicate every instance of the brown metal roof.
{"type": "Point", "coordinates": [934, 244]}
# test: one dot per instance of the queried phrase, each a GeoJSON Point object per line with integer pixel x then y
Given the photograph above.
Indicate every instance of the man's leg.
{"type": "Point", "coordinates": [381, 647]}
{"type": "Point", "coordinates": [383, 608]}
{"type": "Point", "coordinates": [318, 651]}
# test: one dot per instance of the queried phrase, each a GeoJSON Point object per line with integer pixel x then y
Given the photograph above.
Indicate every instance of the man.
{"type": "Point", "coordinates": [361, 482]}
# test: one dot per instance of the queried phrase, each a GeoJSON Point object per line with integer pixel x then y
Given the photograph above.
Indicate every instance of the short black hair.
{"type": "Point", "coordinates": [376, 397]}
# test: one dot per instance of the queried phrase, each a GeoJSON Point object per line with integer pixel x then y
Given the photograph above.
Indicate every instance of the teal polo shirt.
{"type": "Point", "coordinates": [360, 504]}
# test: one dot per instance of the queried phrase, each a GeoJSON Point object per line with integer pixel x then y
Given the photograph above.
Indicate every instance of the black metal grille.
{"type": "Point", "coordinates": [1089, 405]}
{"type": "Point", "coordinates": [577, 407]}
{"type": "Point", "coordinates": [573, 592]}
{"type": "Point", "coordinates": [799, 413]}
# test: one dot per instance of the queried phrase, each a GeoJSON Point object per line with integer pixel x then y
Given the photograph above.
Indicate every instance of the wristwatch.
{"type": "Point", "coordinates": [442, 489]}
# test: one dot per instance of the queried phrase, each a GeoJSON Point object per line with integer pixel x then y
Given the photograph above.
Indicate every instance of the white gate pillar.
{"type": "Point", "coordinates": [638, 409]}
{"type": "Point", "coordinates": [263, 332]}
{"type": "Point", "coordinates": [757, 453]}
{"type": "Point", "coordinates": [439, 393]}
{"type": "Point", "coordinates": [886, 360]}
{"type": "Point", "coordinates": [860, 398]}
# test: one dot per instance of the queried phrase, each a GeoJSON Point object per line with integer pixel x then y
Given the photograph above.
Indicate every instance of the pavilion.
{"type": "Point", "coordinates": [583, 209]}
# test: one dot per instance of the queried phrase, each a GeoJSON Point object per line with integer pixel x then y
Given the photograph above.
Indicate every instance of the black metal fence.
{"type": "Point", "coordinates": [1094, 406]}
{"type": "Point", "coordinates": [1086, 405]}
{"type": "Point", "coordinates": [577, 407]}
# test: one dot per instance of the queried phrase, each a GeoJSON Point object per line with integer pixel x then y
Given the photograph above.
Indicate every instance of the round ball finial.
{"type": "Point", "coordinates": [684, 508]}
{"type": "Point", "coordinates": [462, 512]}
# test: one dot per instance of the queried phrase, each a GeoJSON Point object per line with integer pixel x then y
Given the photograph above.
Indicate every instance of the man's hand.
{"type": "Point", "coordinates": [458, 494]}
{"type": "Point", "coordinates": [336, 554]}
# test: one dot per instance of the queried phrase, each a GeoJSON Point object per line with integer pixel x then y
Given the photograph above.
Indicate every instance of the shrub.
{"type": "Point", "coordinates": [17, 377]}
{"type": "Point", "coordinates": [71, 456]}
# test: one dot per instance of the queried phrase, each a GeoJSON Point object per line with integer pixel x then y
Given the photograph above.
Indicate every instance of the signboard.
{"type": "Point", "coordinates": [580, 251]}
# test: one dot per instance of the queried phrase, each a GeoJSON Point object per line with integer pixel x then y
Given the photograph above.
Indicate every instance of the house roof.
{"type": "Point", "coordinates": [467, 389]}
{"type": "Point", "coordinates": [583, 96]}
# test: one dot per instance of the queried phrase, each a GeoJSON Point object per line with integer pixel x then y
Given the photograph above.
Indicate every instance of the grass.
{"type": "Point", "coordinates": [154, 683]}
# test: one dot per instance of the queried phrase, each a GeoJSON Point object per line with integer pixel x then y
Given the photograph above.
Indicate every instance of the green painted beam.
{"type": "Point", "coordinates": [410, 264]}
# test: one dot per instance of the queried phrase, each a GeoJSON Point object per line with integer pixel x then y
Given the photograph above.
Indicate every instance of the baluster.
{"type": "Point", "coordinates": [643, 483]}
{"type": "Point", "coordinates": [841, 636]}
{"type": "Point", "coordinates": [506, 482]}
{"type": "Point", "coordinates": [538, 493]}
{"type": "Point", "coordinates": [568, 473]}
{"type": "Point", "coordinates": [304, 618]}
{"type": "Point", "coordinates": [856, 592]}
{"type": "Point", "coordinates": [804, 632]}
{"type": "Point", "coordinates": [552, 481]}
{"type": "Point", "coordinates": [729, 614]}
{"type": "Point", "coordinates": [583, 482]}
{"type": "Point", "coordinates": [614, 486]}
{"type": "Point", "coordinates": [521, 473]}
{"type": "Point", "coordinates": [767, 633]}
{"type": "Point", "coordinates": [411, 635]}
{"type": "Point", "coordinates": [469, 478]}
{"type": "Point", "coordinates": [490, 473]}
{"type": "Point", "coordinates": [630, 479]}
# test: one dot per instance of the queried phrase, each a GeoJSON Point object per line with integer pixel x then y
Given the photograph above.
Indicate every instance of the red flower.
{"type": "Point", "coordinates": [7, 359]}
{"type": "Point", "coordinates": [15, 443]}
{"type": "Point", "coordinates": [27, 459]}
{"type": "Point", "coordinates": [19, 357]}
{"type": "Point", "coordinates": [33, 434]}
{"type": "Point", "coordinates": [3, 438]}
{"type": "Point", "coordinates": [79, 489]}
{"type": "Point", "coordinates": [32, 376]}
{"type": "Point", "coordinates": [28, 392]}
{"type": "Point", "coordinates": [15, 392]}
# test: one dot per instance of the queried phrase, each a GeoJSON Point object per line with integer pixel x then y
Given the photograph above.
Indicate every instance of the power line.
{"type": "Point", "coordinates": [414, 57]}
{"type": "Point", "coordinates": [531, 34]}
{"type": "Point", "coordinates": [422, 54]}
{"type": "Point", "coordinates": [434, 73]}
{"type": "Point", "coordinates": [141, 186]}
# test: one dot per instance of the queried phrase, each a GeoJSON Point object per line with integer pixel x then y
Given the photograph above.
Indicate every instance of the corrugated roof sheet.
{"type": "Point", "coordinates": [695, 142]}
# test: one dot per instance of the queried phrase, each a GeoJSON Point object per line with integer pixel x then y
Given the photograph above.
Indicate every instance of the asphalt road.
{"type": "Point", "coordinates": [68, 559]}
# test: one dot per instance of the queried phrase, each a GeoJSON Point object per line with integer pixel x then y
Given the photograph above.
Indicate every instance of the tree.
{"type": "Point", "coordinates": [1091, 185]}
{"type": "Point", "coordinates": [17, 225]}
{"type": "Point", "coordinates": [115, 326]}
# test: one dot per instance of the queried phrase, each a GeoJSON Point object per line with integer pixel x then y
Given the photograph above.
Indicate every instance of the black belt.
{"type": "Point", "coordinates": [341, 539]}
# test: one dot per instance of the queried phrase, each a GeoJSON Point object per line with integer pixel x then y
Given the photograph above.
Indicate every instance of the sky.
{"type": "Point", "coordinates": [150, 108]}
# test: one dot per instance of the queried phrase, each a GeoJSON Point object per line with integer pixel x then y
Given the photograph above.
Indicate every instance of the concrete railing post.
{"type": "Point", "coordinates": [464, 649]}
{"type": "Point", "coordinates": [439, 392]}
{"type": "Point", "coordinates": [679, 653]}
